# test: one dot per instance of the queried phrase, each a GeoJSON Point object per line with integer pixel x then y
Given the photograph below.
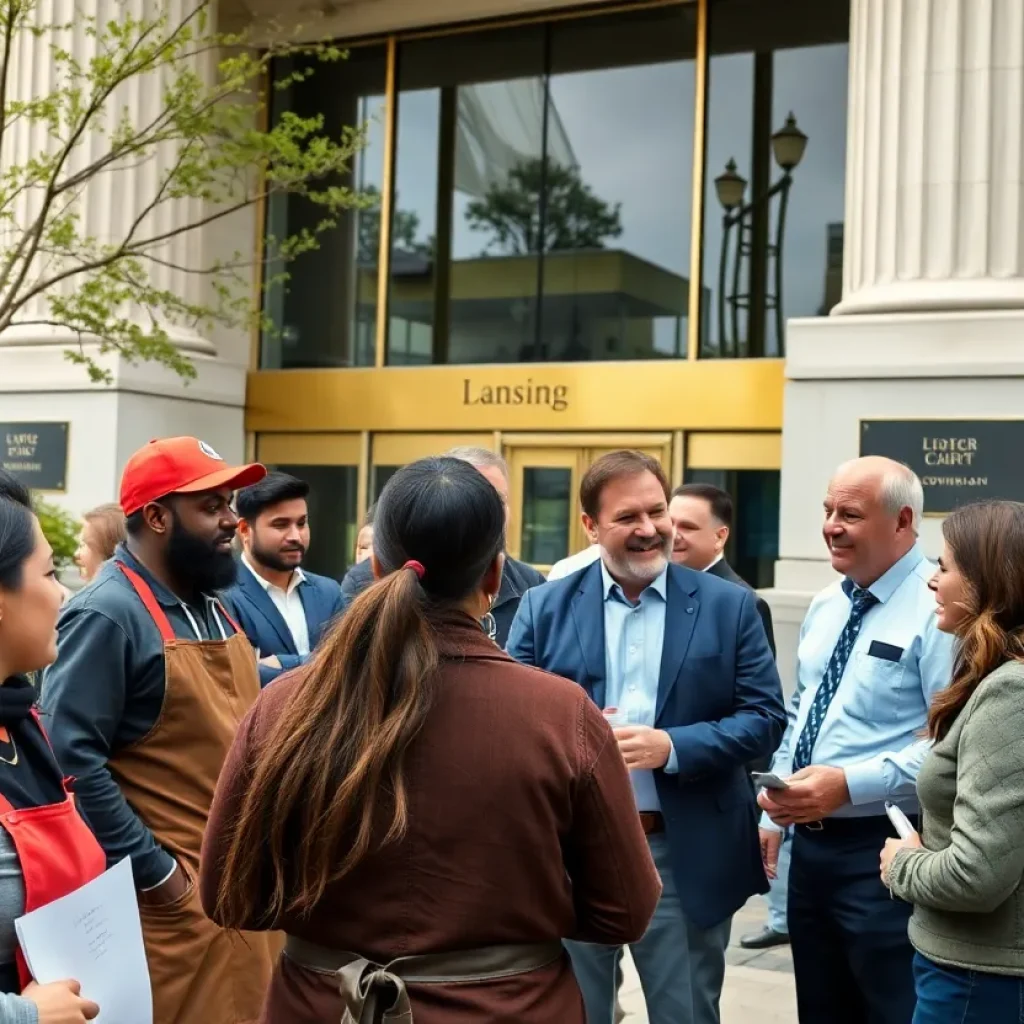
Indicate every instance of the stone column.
{"type": "Point", "coordinates": [112, 201]}
{"type": "Point", "coordinates": [935, 187]}
{"type": "Point", "coordinates": [105, 424]}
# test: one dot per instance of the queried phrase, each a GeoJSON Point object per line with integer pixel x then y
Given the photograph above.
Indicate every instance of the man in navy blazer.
{"type": "Point", "coordinates": [283, 610]}
{"type": "Point", "coordinates": [680, 662]}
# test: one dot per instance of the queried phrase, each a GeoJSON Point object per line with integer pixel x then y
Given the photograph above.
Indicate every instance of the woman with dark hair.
{"type": "Point", "coordinates": [964, 875]}
{"type": "Point", "coordinates": [422, 816]}
{"type": "Point", "coordinates": [46, 849]}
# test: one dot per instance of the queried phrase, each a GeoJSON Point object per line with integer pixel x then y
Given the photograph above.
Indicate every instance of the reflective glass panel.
{"type": "Point", "coordinates": [546, 514]}
{"type": "Point", "coordinates": [616, 197]}
{"type": "Point", "coordinates": [543, 192]}
{"type": "Point", "coordinates": [775, 170]}
{"type": "Point", "coordinates": [324, 314]}
{"type": "Point", "coordinates": [470, 124]}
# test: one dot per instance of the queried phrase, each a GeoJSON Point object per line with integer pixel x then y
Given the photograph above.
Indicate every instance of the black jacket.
{"type": "Point", "coordinates": [517, 578]}
{"type": "Point", "coordinates": [723, 570]}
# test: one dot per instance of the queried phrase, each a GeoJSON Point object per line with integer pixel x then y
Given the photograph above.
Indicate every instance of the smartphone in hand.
{"type": "Point", "coordinates": [768, 780]}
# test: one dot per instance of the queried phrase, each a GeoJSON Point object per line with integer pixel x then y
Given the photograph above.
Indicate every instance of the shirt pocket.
{"type": "Point", "coordinates": [876, 692]}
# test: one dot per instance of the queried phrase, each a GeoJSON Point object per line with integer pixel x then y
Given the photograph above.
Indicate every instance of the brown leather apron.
{"type": "Point", "coordinates": [200, 973]}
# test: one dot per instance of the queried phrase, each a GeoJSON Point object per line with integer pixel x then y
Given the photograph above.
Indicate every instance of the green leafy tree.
{"type": "Point", "coordinates": [544, 206]}
{"type": "Point", "coordinates": [60, 528]}
{"type": "Point", "coordinates": [200, 129]}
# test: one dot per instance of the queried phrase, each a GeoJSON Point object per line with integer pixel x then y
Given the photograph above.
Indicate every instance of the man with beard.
{"type": "Point", "coordinates": [151, 680]}
{"type": "Point", "coordinates": [680, 663]}
{"type": "Point", "coordinates": [283, 609]}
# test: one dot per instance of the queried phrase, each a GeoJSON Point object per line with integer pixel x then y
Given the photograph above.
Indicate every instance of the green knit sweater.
{"type": "Point", "coordinates": [966, 883]}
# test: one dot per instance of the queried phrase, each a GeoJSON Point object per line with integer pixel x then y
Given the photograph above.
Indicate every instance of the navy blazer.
{"type": "Point", "coordinates": [719, 699]}
{"type": "Point", "coordinates": [264, 625]}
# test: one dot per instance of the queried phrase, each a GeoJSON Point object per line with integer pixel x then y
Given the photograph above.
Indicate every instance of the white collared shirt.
{"type": "Point", "coordinates": [567, 566]}
{"type": "Point", "coordinates": [289, 604]}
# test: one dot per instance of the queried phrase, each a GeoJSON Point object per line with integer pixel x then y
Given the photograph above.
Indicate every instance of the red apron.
{"type": "Point", "coordinates": [56, 849]}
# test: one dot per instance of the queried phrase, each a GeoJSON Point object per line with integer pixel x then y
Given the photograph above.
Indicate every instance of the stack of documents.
{"type": "Point", "coordinates": [94, 936]}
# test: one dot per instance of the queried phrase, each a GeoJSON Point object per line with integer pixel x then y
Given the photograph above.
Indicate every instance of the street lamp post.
{"type": "Point", "coordinates": [788, 145]}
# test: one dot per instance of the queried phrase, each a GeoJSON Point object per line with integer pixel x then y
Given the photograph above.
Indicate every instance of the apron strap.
{"type": "Point", "coordinates": [227, 615]}
{"type": "Point", "coordinates": [148, 598]}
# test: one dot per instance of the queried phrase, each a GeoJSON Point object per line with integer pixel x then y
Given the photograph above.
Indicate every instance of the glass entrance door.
{"type": "Point", "coordinates": [544, 477]}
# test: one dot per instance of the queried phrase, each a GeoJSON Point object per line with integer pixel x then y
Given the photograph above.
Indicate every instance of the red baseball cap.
{"type": "Point", "coordinates": [179, 465]}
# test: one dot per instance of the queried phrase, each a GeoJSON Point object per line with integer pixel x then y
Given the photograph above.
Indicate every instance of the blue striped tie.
{"type": "Point", "coordinates": [861, 601]}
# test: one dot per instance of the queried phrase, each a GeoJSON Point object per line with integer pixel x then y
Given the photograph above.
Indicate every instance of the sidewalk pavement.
{"type": "Point", "coordinates": [758, 983]}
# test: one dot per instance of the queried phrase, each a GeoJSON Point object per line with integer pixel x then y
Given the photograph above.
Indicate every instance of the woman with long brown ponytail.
{"type": "Point", "coordinates": [422, 816]}
{"type": "Point", "coordinates": [965, 874]}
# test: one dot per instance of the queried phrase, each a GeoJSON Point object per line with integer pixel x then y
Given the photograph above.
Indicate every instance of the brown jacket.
{"type": "Point", "coordinates": [522, 829]}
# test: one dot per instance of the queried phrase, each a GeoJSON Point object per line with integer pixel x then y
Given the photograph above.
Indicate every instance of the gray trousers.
{"type": "Point", "coordinates": [681, 966]}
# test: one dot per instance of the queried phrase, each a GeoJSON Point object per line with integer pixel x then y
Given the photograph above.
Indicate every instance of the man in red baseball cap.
{"type": "Point", "coordinates": [151, 681]}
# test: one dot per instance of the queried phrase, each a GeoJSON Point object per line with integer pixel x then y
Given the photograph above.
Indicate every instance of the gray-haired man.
{"type": "Point", "coordinates": [869, 661]}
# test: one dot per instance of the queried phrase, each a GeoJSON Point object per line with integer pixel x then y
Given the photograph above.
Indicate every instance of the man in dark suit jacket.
{"type": "Point", "coordinates": [680, 663]}
{"type": "Point", "coordinates": [283, 610]}
{"type": "Point", "coordinates": [517, 576]}
{"type": "Point", "coordinates": [702, 516]}
{"type": "Point", "coordinates": [702, 520]}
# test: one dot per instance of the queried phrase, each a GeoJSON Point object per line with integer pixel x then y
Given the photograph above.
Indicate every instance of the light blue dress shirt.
{"type": "Point", "coordinates": [873, 726]}
{"type": "Point", "coordinates": [634, 635]}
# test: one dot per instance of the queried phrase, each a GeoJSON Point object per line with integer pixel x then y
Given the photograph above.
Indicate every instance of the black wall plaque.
{"type": "Point", "coordinates": [958, 461]}
{"type": "Point", "coordinates": [36, 453]}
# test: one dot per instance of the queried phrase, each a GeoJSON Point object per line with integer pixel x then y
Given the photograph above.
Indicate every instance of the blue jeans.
{"type": "Point", "coordinates": [681, 966]}
{"type": "Point", "coordinates": [951, 995]}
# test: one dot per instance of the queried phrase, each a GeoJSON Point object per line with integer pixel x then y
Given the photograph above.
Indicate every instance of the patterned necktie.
{"type": "Point", "coordinates": [861, 601]}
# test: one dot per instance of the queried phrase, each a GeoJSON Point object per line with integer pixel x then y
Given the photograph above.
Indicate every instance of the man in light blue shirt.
{"type": "Point", "coordinates": [869, 661]}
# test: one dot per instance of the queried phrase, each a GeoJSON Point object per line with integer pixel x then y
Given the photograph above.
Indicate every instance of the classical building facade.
{"type": "Point", "coordinates": [729, 232]}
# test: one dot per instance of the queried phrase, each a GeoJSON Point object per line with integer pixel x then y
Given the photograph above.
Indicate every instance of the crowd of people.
{"type": "Point", "coordinates": [445, 789]}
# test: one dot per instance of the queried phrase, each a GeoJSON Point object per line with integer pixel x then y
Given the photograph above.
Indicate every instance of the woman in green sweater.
{"type": "Point", "coordinates": [964, 875]}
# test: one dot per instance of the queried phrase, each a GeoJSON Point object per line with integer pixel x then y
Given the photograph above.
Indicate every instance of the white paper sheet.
{"type": "Point", "coordinates": [94, 935]}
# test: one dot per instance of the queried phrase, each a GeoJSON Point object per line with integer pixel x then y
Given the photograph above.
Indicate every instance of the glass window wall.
{"type": "Point", "coordinates": [543, 192]}
{"type": "Point", "coordinates": [774, 171]}
{"type": "Point", "coordinates": [325, 314]}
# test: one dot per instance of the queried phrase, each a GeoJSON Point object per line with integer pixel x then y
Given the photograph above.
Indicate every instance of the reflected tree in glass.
{"type": "Point", "coordinates": [405, 227]}
{"type": "Point", "coordinates": [544, 206]}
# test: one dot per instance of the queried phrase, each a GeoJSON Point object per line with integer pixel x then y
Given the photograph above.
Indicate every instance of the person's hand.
{"type": "Point", "coordinates": [771, 843]}
{"type": "Point", "coordinates": [167, 892]}
{"type": "Point", "coordinates": [60, 1003]}
{"type": "Point", "coordinates": [813, 794]}
{"type": "Point", "coordinates": [891, 848]}
{"type": "Point", "coordinates": [643, 747]}
{"type": "Point", "coordinates": [272, 662]}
